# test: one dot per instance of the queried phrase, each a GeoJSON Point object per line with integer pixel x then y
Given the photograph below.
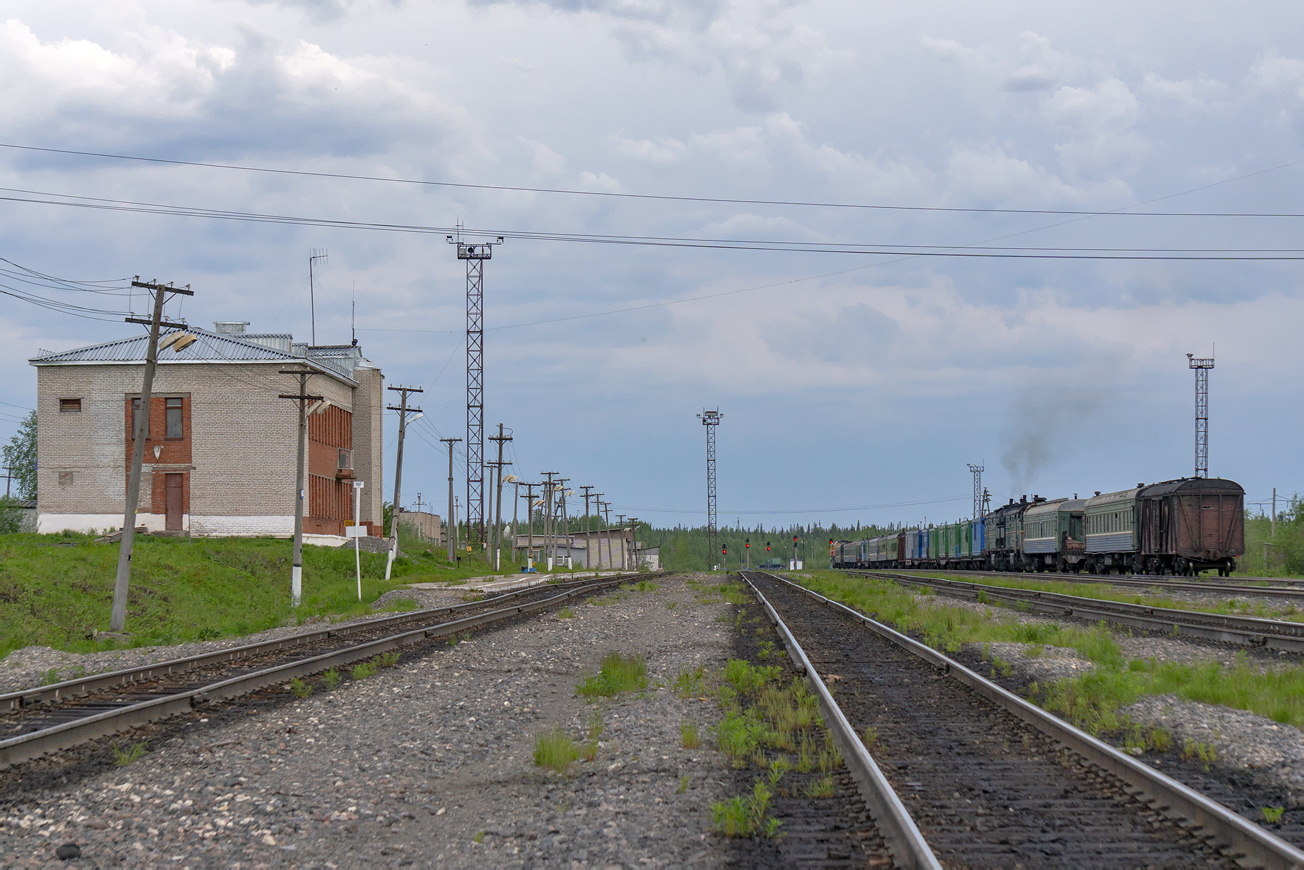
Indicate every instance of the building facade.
{"type": "Point", "coordinates": [221, 445]}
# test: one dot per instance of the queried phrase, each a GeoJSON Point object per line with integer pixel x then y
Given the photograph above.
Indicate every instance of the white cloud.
{"type": "Point", "coordinates": [599, 181]}
{"type": "Point", "coordinates": [991, 175]}
{"type": "Point", "coordinates": [1275, 73]}
{"type": "Point", "coordinates": [660, 151]}
{"type": "Point", "coordinates": [544, 158]}
{"type": "Point", "coordinates": [1035, 66]}
{"type": "Point", "coordinates": [1199, 94]}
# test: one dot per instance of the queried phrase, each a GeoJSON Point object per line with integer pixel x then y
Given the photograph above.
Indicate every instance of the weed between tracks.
{"type": "Point", "coordinates": [617, 674]}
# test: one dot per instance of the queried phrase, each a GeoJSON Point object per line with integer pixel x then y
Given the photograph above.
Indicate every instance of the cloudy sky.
{"type": "Point", "coordinates": [855, 385]}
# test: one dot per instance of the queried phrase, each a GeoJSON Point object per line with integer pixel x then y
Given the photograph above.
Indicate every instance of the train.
{"type": "Point", "coordinates": [1179, 527]}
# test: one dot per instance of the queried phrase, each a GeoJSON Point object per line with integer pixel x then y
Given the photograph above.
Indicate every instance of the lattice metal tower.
{"type": "Point", "coordinates": [977, 471]}
{"type": "Point", "coordinates": [475, 253]}
{"type": "Point", "coordinates": [710, 419]}
{"type": "Point", "coordinates": [1201, 367]}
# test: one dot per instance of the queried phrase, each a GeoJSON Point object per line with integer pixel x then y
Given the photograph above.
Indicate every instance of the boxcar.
{"type": "Point", "coordinates": [1191, 524]}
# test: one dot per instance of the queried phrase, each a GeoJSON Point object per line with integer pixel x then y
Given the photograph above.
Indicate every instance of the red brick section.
{"type": "Point", "coordinates": [174, 451]}
{"type": "Point", "coordinates": [330, 490]}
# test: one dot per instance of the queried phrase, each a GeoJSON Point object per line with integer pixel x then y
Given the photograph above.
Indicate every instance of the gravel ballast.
{"type": "Point", "coordinates": [429, 763]}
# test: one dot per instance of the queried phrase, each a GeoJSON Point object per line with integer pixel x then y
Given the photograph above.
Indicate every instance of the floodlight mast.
{"type": "Point", "coordinates": [710, 419]}
{"type": "Point", "coordinates": [1201, 367]}
{"type": "Point", "coordinates": [474, 253]}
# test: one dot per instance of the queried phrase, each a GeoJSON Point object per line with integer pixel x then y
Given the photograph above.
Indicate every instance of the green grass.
{"type": "Point", "coordinates": [554, 750]}
{"type": "Point", "coordinates": [617, 674]}
{"type": "Point", "coordinates": [123, 757]}
{"type": "Point", "coordinates": [746, 815]}
{"type": "Point", "coordinates": [1091, 701]}
{"type": "Point", "coordinates": [566, 613]}
{"type": "Point", "coordinates": [690, 682]}
{"type": "Point", "coordinates": [689, 737]}
{"type": "Point", "coordinates": [1106, 592]}
{"type": "Point", "coordinates": [56, 590]}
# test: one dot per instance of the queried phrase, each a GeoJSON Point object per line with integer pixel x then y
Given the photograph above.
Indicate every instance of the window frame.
{"type": "Point", "coordinates": [70, 406]}
{"type": "Point", "coordinates": [168, 408]}
{"type": "Point", "coordinates": [135, 409]}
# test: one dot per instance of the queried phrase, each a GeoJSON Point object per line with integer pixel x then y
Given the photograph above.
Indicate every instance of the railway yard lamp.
{"type": "Point", "coordinates": [747, 551]}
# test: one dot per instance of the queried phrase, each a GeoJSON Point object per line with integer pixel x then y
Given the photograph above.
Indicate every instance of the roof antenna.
{"type": "Point", "coordinates": [314, 254]}
{"type": "Point", "coordinates": [353, 318]}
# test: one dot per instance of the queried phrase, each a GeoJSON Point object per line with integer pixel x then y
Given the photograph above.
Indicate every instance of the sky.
{"type": "Point", "coordinates": [856, 386]}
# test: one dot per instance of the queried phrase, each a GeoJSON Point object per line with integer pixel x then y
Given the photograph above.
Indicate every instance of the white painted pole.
{"type": "Point", "coordinates": [357, 539]}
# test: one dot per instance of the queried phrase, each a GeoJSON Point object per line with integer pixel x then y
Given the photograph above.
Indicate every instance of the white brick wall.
{"type": "Point", "coordinates": [242, 444]}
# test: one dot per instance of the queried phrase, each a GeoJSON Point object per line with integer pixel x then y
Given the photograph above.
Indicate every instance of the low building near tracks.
{"type": "Point", "coordinates": [221, 444]}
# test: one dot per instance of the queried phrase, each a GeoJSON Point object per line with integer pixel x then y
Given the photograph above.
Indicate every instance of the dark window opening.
{"type": "Point", "coordinates": [69, 405]}
{"type": "Point", "coordinates": [173, 409]}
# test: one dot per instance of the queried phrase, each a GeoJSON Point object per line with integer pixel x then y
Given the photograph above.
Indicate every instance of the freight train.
{"type": "Point", "coordinates": [1179, 527]}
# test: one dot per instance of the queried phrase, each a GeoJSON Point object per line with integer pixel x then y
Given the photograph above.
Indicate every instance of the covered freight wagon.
{"type": "Point", "coordinates": [1191, 524]}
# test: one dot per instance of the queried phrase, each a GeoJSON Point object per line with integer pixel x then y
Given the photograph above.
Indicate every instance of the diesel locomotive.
{"type": "Point", "coordinates": [1181, 527]}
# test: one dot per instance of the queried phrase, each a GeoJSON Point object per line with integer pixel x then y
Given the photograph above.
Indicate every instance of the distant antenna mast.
{"type": "Point", "coordinates": [314, 255]}
{"type": "Point", "coordinates": [353, 316]}
{"type": "Point", "coordinates": [710, 419]}
{"type": "Point", "coordinates": [1201, 367]}
{"type": "Point", "coordinates": [977, 471]}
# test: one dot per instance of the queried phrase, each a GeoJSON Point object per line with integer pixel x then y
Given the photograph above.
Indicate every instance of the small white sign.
{"type": "Point", "coordinates": [359, 484]}
{"type": "Point", "coordinates": [355, 531]}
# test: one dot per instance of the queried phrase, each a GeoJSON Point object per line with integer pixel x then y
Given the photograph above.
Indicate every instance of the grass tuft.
{"type": "Point", "coordinates": [617, 674]}
{"type": "Point", "coordinates": [123, 757]}
{"type": "Point", "coordinates": [554, 750]}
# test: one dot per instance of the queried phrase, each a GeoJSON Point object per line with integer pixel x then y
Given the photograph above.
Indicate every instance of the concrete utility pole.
{"type": "Point", "coordinates": [633, 544]}
{"type": "Point", "coordinates": [559, 520]}
{"type": "Point", "coordinates": [624, 551]}
{"type": "Point", "coordinates": [605, 507]}
{"type": "Point", "coordinates": [588, 535]}
{"type": "Point", "coordinates": [403, 411]}
{"type": "Point", "coordinates": [1274, 511]}
{"type": "Point", "coordinates": [547, 517]}
{"type": "Point", "coordinates": [516, 499]}
{"type": "Point", "coordinates": [1201, 367]}
{"type": "Point", "coordinates": [529, 519]}
{"type": "Point", "coordinates": [140, 431]}
{"type": "Point", "coordinates": [303, 398]}
{"type": "Point", "coordinates": [451, 534]}
{"type": "Point", "coordinates": [500, 438]}
{"type": "Point", "coordinates": [597, 508]}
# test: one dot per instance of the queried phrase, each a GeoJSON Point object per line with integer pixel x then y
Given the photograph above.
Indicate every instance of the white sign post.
{"type": "Point", "coordinates": [357, 531]}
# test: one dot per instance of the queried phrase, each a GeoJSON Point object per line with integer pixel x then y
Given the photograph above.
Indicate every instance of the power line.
{"type": "Point", "coordinates": [807, 510]}
{"type": "Point", "coordinates": [773, 246]}
{"type": "Point", "coordinates": [684, 198]}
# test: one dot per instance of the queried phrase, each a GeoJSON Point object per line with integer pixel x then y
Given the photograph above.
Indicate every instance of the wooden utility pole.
{"type": "Point", "coordinates": [140, 430]}
{"type": "Point", "coordinates": [403, 411]}
{"type": "Point", "coordinates": [624, 558]}
{"type": "Point", "coordinates": [498, 501]}
{"type": "Point", "coordinates": [303, 398]}
{"type": "Point", "coordinates": [547, 516]}
{"type": "Point", "coordinates": [450, 538]}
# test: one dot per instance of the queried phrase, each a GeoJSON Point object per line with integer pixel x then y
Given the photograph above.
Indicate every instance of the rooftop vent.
{"type": "Point", "coordinates": [230, 327]}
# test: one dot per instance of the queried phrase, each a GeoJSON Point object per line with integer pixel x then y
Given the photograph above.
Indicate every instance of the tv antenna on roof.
{"type": "Point", "coordinates": [314, 254]}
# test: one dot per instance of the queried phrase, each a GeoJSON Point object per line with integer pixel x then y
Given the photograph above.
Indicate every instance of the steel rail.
{"type": "Point", "coordinates": [907, 844]}
{"type": "Point", "coordinates": [1165, 794]}
{"type": "Point", "coordinates": [1243, 630]}
{"type": "Point", "coordinates": [65, 735]}
{"type": "Point", "coordinates": [80, 686]}
{"type": "Point", "coordinates": [1133, 582]}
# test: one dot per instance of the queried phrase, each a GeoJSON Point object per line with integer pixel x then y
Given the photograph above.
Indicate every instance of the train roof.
{"type": "Point", "coordinates": [1114, 497]}
{"type": "Point", "coordinates": [1055, 506]}
{"type": "Point", "coordinates": [1193, 486]}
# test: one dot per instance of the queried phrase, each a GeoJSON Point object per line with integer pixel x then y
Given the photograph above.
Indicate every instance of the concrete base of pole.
{"type": "Point", "coordinates": [296, 585]}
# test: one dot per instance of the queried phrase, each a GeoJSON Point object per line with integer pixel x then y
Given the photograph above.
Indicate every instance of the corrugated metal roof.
{"type": "Point", "coordinates": [210, 347]}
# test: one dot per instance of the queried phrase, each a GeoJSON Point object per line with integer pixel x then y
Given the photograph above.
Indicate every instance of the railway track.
{"type": "Point", "coordinates": [1283, 589]}
{"type": "Point", "coordinates": [63, 715]}
{"type": "Point", "coordinates": [966, 774]}
{"type": "Point", "coordinates": [1224, 628]}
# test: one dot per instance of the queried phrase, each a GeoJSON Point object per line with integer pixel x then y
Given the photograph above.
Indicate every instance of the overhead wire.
{"type": "Point", "coordinates": [306, 173]}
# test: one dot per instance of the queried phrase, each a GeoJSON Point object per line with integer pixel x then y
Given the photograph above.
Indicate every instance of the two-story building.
{"type": "Point", "coordinates": [221, 444]}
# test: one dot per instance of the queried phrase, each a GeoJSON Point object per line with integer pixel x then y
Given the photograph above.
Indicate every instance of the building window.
{"type": "Point", "coordinates": [135, 420]}
{"type": "Point", "coordinates": [173, 409]}
{"type": "Point", "coordinates": [346, 458]}
{"type": "Point", "coordinates": [65, 478]}
{"type": "Point", "coordinates": [69, 405]}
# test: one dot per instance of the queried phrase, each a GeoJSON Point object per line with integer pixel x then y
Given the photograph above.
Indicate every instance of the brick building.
{"type": "Point", "coordinates": [221, 446]}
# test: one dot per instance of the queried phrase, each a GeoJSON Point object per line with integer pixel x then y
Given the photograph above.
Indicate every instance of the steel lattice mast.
{"type": "Point", "coordinates": [475, 255]}
{"type": "Point", "coordinates": [710, 419]}
{"type": "Point", "coordinates": [977, 471]}
{"type": "Point", "coordinates": [1201, 367]}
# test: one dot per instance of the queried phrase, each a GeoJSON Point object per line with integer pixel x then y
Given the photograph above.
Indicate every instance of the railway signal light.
{"type": "Point", "coordinates": [747, 543]}
{"type": "Point", "coordinates": [724, 551]}
{"type": "Point", "coordinates": [767, 546]}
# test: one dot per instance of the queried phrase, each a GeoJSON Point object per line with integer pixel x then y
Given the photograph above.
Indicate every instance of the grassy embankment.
{"type": "Point", "coordinates": [55, 590]}
{"type": "Point", "coordinates": [1284, 610]}
{"type": "Point", "coordinates": [1093, 700]}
